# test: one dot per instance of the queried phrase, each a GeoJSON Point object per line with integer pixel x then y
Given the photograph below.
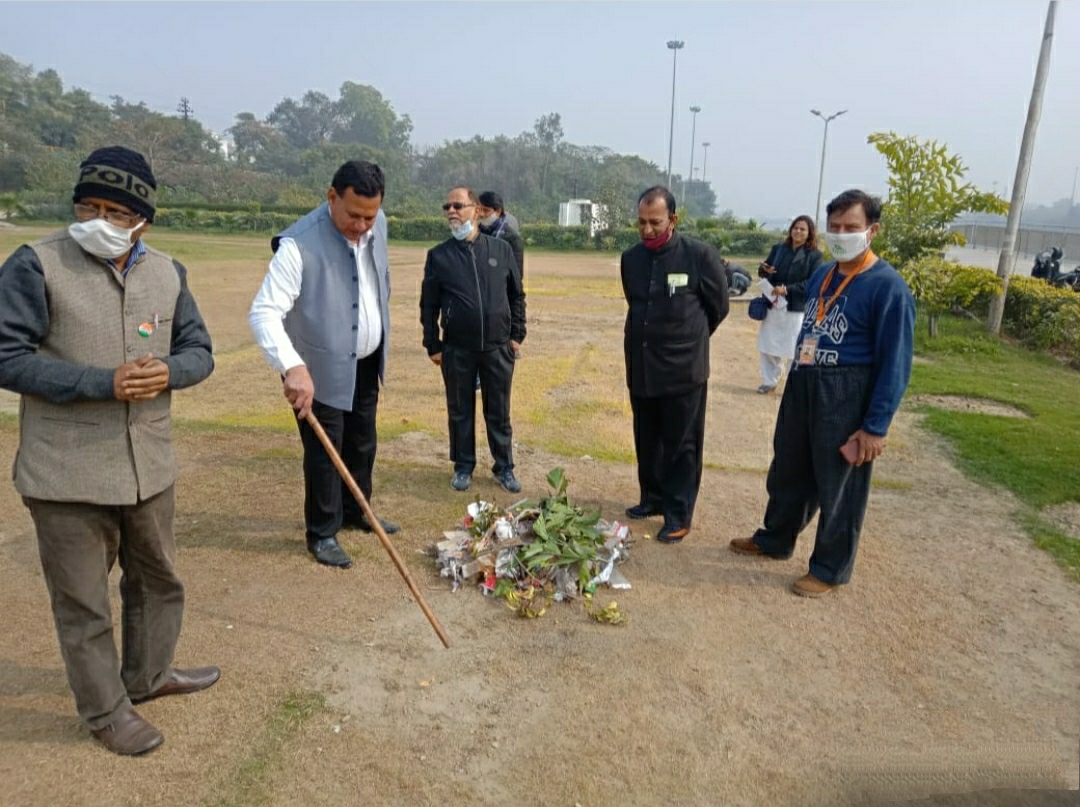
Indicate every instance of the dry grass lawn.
{"type": "Point", "coordinates": [950, 664]}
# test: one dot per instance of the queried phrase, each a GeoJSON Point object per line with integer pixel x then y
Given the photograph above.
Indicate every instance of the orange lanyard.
{"type": "Point", "coordinates": [824, 305]}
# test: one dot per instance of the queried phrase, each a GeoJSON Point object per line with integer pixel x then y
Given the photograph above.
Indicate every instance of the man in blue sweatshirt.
{"type": "Point", "coordinates": [852, 366]}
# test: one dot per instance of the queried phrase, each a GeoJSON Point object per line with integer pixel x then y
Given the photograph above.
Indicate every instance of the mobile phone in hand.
{"type": "Point", "coordinates": [850, 451]}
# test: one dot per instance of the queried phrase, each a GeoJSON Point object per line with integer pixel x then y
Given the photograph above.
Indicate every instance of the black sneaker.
{"type": "Point", "coordinates": [508, 482]}
{"type": "Point", "coordinates": [461, 481]}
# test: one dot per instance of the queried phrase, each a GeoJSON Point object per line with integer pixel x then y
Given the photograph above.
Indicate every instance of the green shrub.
{"type": "Point", "coordinates": [1043, 316]}
{"type": "Point", "coordinates": [940, 286]}
{"type": "Point", "coordinates": [417, 229]}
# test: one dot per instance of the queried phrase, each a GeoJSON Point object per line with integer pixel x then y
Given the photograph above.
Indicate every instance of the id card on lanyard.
{"type": "Point", "coordinates": [808, 348]}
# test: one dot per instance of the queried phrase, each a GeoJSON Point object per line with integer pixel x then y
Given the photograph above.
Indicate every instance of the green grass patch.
{"type": "Point", "coordinates": [1038, 457]}
{"type": "Point", "coordinates": [251, 784]}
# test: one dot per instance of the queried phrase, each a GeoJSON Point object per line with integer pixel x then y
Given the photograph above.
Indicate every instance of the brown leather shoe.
{"type": "Point", "coordinates": [129, 735]}
{"type": "Point", "coordinates": [810, 586]}
{"type": "Point", "coordinates": [746, 546]}
{"type": "Point", "coordinates": [182, 682]}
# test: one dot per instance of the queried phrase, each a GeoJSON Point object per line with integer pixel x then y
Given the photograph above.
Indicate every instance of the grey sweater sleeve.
{"type": "Point", "coordinates": [24, 323]}
{"type": "Point", "coordinates": [191, 359]}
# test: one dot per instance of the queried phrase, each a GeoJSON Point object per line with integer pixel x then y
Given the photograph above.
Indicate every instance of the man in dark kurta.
{"type": "Point", "coordinates": [677, 294]}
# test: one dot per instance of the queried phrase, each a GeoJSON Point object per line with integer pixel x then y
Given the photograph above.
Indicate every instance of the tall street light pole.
{"type": "Point", "coordinates": [821, 176]}
{"type": "Point", "coordinates": [705, 159]}
{"type": "Point", "coordinates": [693, 136]}
{"type": "Point", "coordinates": [674, 45]}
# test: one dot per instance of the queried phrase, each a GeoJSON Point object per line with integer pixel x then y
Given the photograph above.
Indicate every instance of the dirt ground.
{"type": "Point", "coordinates": [951, 663]}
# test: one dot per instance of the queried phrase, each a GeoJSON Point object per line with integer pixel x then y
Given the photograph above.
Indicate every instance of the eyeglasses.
{"type": "Point", "coordinates": [457, 205]}
{"type": "Point", "coordinates": [117, 217]}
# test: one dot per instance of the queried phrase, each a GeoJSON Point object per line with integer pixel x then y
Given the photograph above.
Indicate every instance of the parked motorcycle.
{"type": "Point", "coordinates": [738, 279]}
{"type": "Point", "coordinates": [1069, 280]}
{"type": "Point", "coordinates": [1047, 267]}
{"type": "Point", "coordinates": [1047, 264]}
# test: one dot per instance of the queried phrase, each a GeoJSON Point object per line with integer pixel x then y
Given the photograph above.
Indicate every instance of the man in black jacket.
{"type": "Point", "coordinates": [495, 221]}
{"type": "Point", "coordinates": [472, 292]}
{"type": "Point", "coordinates": [677, 294]}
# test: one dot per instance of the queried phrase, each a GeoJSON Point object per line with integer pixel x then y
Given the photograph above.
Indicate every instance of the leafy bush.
{"type": "Point", "coordinates": [192, 220]}
{"type": "Point", "coordinates": [417, 229]}
{"type": "Point", "coordinates": [1043, 316]}
{"type": "Point", "coordinates": [939, 286]}
{"type": "Point", "coordinates": [552, 236]}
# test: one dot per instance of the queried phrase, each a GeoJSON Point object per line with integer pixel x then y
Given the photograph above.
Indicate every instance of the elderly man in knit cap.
{"type": "Point", "coordinates": [96, 330]}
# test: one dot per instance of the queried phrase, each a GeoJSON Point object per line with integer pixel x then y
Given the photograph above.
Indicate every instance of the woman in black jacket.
{"type": "Point", "coordinates": [788, 267]}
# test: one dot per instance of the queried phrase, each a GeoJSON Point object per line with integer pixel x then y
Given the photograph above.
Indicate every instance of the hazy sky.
{"type": "Point", "coordinates": [960, 72]}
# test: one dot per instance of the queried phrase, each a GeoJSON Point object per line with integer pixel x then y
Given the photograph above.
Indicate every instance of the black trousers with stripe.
{"type": "Point", "coordinates": [821, 408]}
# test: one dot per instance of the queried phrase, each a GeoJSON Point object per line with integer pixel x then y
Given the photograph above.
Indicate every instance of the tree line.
{"type": "Point", "coordinates": [285, 159]}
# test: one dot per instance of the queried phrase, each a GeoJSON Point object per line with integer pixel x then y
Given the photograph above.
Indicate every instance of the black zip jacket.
{"type": "Point", "coordinates": [471, 291]}
{"type": "Point", "coordinates": [793, 269]}
{"type": "Point", "coordinates": [676, 296]}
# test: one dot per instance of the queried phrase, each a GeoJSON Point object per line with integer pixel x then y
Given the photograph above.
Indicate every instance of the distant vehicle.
{"type": "Point", "coordinates": [738, 279]}
{"type": "Point", "coordinates": [1047, 267]}
{"type": "Point", "coordinates": [1069, 280]}
{"type": "Point", "coordinates": [1047, 264]}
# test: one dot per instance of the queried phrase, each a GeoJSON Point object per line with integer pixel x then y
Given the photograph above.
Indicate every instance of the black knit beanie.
{"type": "Point", "coordinates": [119, 175]}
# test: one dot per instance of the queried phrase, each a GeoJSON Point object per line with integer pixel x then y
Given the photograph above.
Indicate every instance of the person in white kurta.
{"type": "Point", "coordinates": [785, 272]}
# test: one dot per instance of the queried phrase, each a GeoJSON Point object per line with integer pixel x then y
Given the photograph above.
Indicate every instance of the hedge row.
{"type": "Point", "coordinates": [251, 218]}
{"type": "Point", "coordinates": [1041, 316]}
{"type": "Point", "coordinates": [540, 236]}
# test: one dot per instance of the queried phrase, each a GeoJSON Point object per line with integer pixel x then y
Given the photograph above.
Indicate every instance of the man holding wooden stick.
{"type": "Point", "coordinates": [322, 319]}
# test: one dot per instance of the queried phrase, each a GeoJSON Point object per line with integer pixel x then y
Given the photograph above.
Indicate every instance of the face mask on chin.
{"type": "Point", "coordinates": [656, 242]}
{"type": "Point", "coordinates": [847, 246]}
{"type": "Point", "coordinates": [101, 239]}
{"type": "Point", "coordinates": [487, 221]}
{"type": "Point", "coordinates": [462, 231]}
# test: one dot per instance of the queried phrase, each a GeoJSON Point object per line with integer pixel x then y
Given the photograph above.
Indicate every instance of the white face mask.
{"type": "Point", "coordinates": [462, 231]}
{"type": "Point", "coordinates": [489, 220]}
{"type": "Point", "coordinates": [847, 246]}
{"type": "Point", "coordinates": [101, 239]}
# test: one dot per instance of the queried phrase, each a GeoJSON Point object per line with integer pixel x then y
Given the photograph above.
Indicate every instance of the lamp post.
{"type": "Point", "coordinates": [674, 45]}
{"type": "Point", "coordinates": [821, 176]}
{"type": "Point", "coordinates": [705, 159]}
{"type": "Point", "coordinates": [693, 136]}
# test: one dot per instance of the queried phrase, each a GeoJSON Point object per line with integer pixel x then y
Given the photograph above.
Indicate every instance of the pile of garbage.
{"type": "Point", "coordinates": [533, 554]}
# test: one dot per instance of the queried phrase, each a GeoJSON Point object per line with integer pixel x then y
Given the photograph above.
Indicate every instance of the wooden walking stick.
{"type": "Point", "coordinates": [377, 526]}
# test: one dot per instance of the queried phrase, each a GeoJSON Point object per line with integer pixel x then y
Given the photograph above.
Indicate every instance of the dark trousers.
{"type": "Point", "coordinates": [821, 408]}
{"type": "Point", "coordinates": [78, 544]}
{"type": "Point", "coordinates": [496, 369]}
{"type": "Point", "coordinates": [327, 500]}
{"type": "Point", "coordinates": [669, 439]}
